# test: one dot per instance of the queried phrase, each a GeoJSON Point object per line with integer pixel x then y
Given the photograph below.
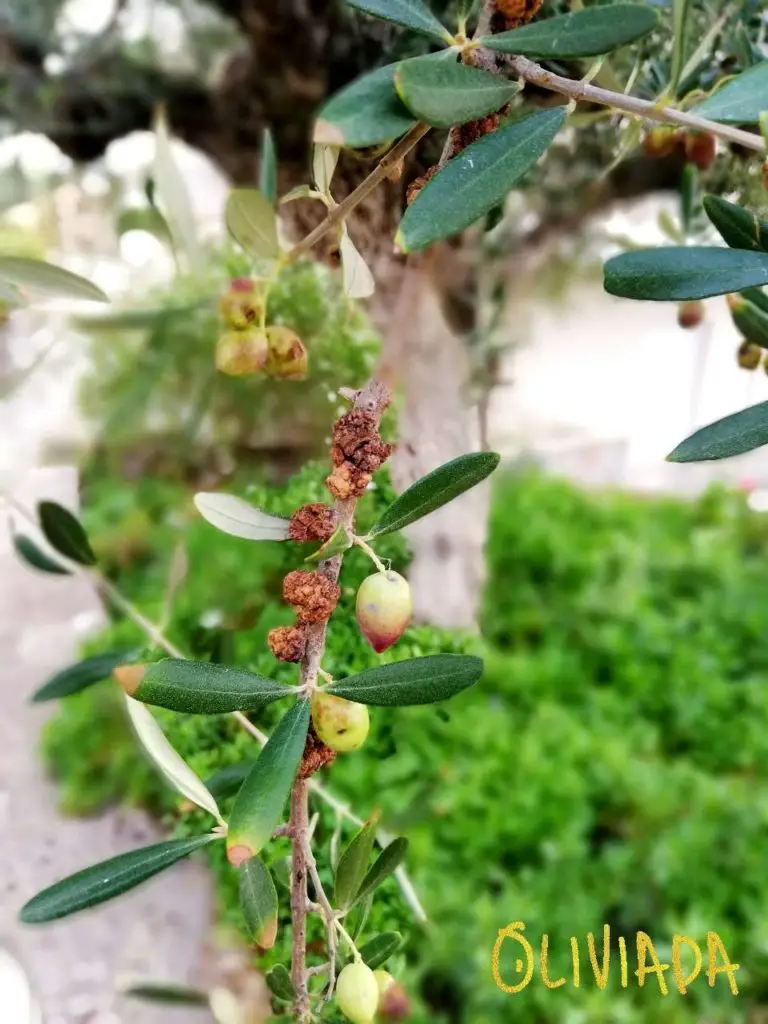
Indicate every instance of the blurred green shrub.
{"type": "Point", "coordinates": [152, 388]}
{"type": "Point", "coordinates": [612, 767]}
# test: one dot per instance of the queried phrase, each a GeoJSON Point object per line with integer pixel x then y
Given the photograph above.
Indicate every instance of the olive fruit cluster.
{"type": "Point", "coordinates": [363, 994]}
{"type": "Point", "coordinates": [247, 346]}
{"type": "Point", "coordinates": [699, 148]}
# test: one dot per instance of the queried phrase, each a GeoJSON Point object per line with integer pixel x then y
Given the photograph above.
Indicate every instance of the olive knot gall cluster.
{"type": "Point", "coordinates": [517, 12]}
{"type": "Point", "coordinates": [314, 522]}
{"type": "Point", "coordinates": [316, 756]}
{"type": "Point", "coordinates": [288, 643]}
{"type": "Point", "coordinates": [357, 452]}
{"type": "Point", "coordinates": [313, 596]}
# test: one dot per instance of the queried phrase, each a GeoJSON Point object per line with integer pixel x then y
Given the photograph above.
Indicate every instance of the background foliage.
{"type": "Point", "coordinates": [609, 768]}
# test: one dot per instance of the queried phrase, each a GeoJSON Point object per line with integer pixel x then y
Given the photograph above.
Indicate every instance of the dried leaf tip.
{"type": "Point", "coordinates": [129, 677]}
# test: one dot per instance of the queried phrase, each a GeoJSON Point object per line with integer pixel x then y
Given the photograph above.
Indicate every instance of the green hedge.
{"type": "Point", "coordinates": [610, 768]}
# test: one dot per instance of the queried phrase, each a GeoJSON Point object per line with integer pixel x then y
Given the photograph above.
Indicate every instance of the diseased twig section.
{"type": "Point", "coordinates": [373, 399]}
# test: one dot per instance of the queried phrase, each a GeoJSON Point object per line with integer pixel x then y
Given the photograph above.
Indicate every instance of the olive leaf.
{"type": "Point", "coordinates": [353, 865]}
{"type": "Point", "coordinates": [65, 533]}
{"type": "Point", "coordinates": [258, 901]}
{"type": "Point", "coordinates": [205, 688]}
{"type": "Point", "coordinates": [81, 675]}
{"type": "Point", "coordinates": [425, 680]}
{"type": "Point", "coordinates": [110, 878]}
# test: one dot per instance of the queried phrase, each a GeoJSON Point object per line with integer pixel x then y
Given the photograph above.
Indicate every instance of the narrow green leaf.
{"type": "Point", "coordinates": [204, 688]}
{"type": "Point", "coordinates": [236, 517]}
{"type": "Point", "coordinates": [680, 22]}
{"type": "Point", "coordinates": [64, 533]}
{"type": "Point", "coordinates": [436, 489]}
{"type": "Point", "coordinates": [228, 780]}
{"type": "Point", "coordinates": [353, 865]}
{"type": "Point", "coordinates": [47, 280]}
{"type": "Point", "coordinates": [251, 221]}
{"type": "Point", "coordinates": [477, 179]}
{"type": "Point", "coordinates": [167, 994]}
{"type": "Point", "coordinates": [368, 111]}
{"type": "Point", "coordinates": [411, 14]}
{"type": "Point", "coordinates": [388, 861]}
{"type": "Point", "coordinates": [81, 675]}
{"type": "Point", "coordinates": [757, 297]}
{"type": "Point", "coordinates": [364, 113]}
{"type": "Point", "coordinates": [268, 168]}
{"type": "Point", "coordinates": [279, 983]}
{"type": "Point", "coordinates": [749, 318]}
{"type": "Point", "coordinates": [30, 553]}
{"type": "Point", "coordinates": [684, 272]}
{"type": "Point", "coordinates": [444, 93]}
{"type": "Point", "coordinates": [380, 948]}
{"type": "Point", "coordinates": [739, 228]}
{"type": "Point", "coordinates": [586, 33]}
{"type": "Point", "coordinates": [260, 803]}
{"type": "Point", "coordinates": [110, 878]}
{"type": "Point", "coordinates": [258, 901]}
{"type": "Point", "coordinates": [733, 435]}
{"type": "Point", "coordinates": [740, 101]}
{"type": "Point", "coordinates": [171, 188]}
{"type": "Point", "coordinates": [415, 681]}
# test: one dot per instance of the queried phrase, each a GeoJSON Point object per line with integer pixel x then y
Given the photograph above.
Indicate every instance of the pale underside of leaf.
{"type": "Point", "coordinates": [357, 277]}
{"type": "Point", "coordinates": [170, 763]}
{"type": "Point", "coordinates": [236, 517]}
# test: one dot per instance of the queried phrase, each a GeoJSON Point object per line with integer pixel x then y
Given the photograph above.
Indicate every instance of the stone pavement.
{"type": "Point", "coordinates": [156, 931]}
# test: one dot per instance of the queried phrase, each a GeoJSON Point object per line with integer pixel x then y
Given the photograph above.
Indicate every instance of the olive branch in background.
{"type": "Point", "coordinates": [466, 89]}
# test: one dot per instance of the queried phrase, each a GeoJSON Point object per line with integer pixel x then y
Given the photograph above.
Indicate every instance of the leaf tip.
{"type": "Point", "coordinates": [327, 134]}
{"type": "Point", "coordinates": [129, 677]}
{"type": "Point", "coordinates": [238, 854]}
{"type": "Point", "coordinates": [266, 937]}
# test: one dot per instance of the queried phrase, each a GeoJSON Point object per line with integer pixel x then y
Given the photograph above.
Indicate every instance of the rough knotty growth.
{"type": "Point", "coordinates": [474, 130]}
{"type": "Point", "coordinates": [313, 596]}
{"type": "Point", "coordinates": [517, 12]}
{"type": "Point", "coordinates": [347, 481]}
{"type": "Point", "coordinates": [418, 184]}
{"type": "Point", "coordinates": [288, 643]}
{"type": "Point", "coordinates": [316, 755]}
{"type": "Point", "coordinates": [313, 522]}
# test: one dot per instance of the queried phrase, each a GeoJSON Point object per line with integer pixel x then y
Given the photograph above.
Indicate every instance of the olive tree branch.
{"type": "Point", "coordinates": [646, 109]}
{"type": "Point", "coordinates": [159, 639]}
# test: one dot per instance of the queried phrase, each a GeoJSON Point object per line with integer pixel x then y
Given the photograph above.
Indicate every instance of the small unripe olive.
{"type": "Point", "coordinates": [690, 314]}
{"type": "Point", "coordinates": [241, 305]}
{"type": "Point", "coordinates": [240, 353]}
{"type": "Point", "coordinates": [383, 979]}
{"type": "Point", "coordinates": [341, 724]}
{"type": "Point", "coordinates": [384, 608]}
{"type": "Point", "coordinates": [287, 358]}
{"type": "Point", "coordinates": [749, 355]}
{"type": "Point", "coordinates": [357, 993]}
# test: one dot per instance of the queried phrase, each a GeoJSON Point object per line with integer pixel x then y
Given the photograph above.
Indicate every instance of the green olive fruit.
{"type": "Point", "coordinates": [341, 724]}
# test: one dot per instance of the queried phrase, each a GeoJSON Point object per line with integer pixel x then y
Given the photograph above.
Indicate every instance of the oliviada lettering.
{"type": "Point", "coordinates": [513, 961]}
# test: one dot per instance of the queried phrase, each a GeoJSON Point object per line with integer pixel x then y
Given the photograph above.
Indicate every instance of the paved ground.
{"type": "Point", "coordinates": [159, 929]}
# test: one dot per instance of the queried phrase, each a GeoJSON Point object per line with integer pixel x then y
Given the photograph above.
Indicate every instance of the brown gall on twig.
{"type": "Point", "coordinates": [313, 596]}
{"type": "Point", "coordinates": [314, 522]}
{"type": "Point", "coordinates": [316, 755]}
{"type": "Point", "coordinates": [288, 643]}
